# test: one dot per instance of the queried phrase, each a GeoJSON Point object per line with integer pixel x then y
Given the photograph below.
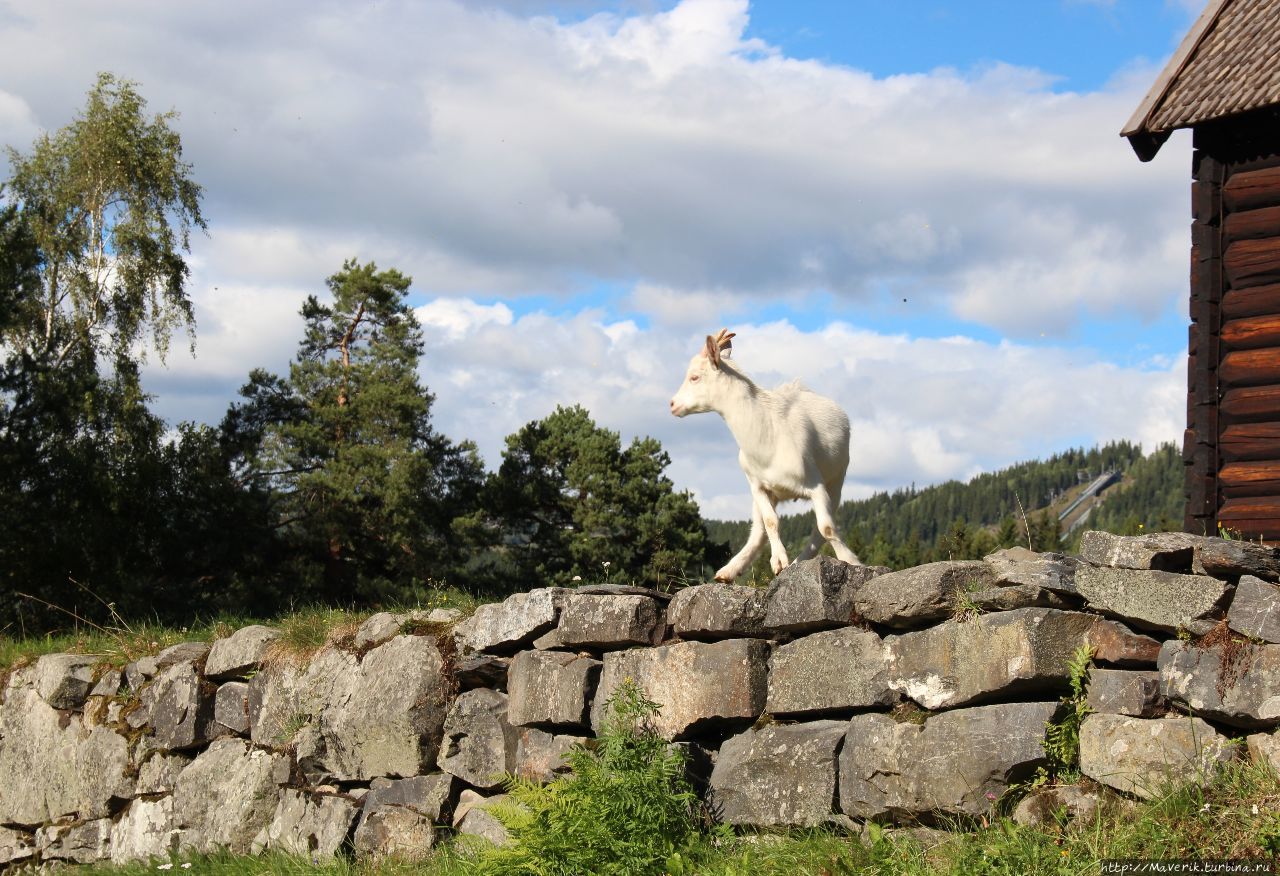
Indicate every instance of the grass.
{"type": "Point", "coordinates": [303, 632]}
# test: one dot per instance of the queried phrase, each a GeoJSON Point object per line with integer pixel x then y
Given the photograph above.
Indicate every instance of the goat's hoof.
{"type": "Point", "coordinates": [725, 576]}
{"type": "Point", "coordinates": [777, 565]}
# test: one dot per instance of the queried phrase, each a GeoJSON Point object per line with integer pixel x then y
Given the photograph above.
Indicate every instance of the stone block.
{"type": "Point", "coordinates": [225, 797]}
{"type": "Point", "coordinates": [1020, 567]}
{"type": "Point", "coordinates": [717, 611]}
{"type": "Point", "coordinates": [474, 818]}
{"type": "Point", "coordinates": [816, 594]}
{"type": "Point", "coordinates": [80, 842]}
{"type": "Point", "coordinates": [159, 773]}
{"type": "Point", "coordinates": [607, 621]}
{"type": "Point", "coordinates": [541, 756]}
{"type": "Point", "coordinates": [231, 706]}
{"type": "Point", "coordinates": [240, 653]}
{"type": "Point", "coordinates": [479, 743]}
{"type": "Point", "coordinates": [308, 824]}
{"type": "Point", "coordinates": [1255, 609]}
{"type": "Point", "coordinates": [829, 671]}
{"type": "Point", "coordinates": [64, 680]}
{"type": "Point", "coordinates": [1235, 683]}
{"type": "Point", "coordinates": [507, 626]}
{"type": "Point", "coordinates": [1003, 655]}
{"type": "Point", "coordinates": [147, 829]}
{"type": "Point", "coordinates": [1135, 693]}
{"type": "Point", "coordinates": [1045, 806]}
{"type": "Point", "coordinates": [178, 707]}
{"type": "Point", "coordinates": [957, 763]}
{"type": "Point", "coordinates": [1145, 756]}
{"type": "Point", "coordinates": [551, 688]}
{"type": "Point", "coordinates": [1265, 748]}
{"type": "Point", "coordinates": [781, 775]}
{"type": "Point", "coordinates": [1163, 551]}
{"type": "Point", "coordinates": [378, 628]}
{"type": "Point", "coordinates": [1154, 600]}
{"type": "Point", "coordinates": [922, 595]}
{"type": "Point", "coordinates": [697, 685]}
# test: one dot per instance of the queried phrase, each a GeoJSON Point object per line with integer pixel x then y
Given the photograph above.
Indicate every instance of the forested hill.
{"type": "Point", "coordinates": [964, 520]}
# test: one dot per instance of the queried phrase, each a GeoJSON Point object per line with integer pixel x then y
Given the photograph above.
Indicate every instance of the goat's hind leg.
{"type": "Point", "coordinates": [824, 500]}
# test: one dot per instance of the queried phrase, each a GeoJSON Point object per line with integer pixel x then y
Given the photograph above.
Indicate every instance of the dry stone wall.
{"type": "Point", "coordinates": [838, 695]}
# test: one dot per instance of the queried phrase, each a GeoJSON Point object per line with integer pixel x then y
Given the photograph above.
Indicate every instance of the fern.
{"type": "Point", "coordinates": [1062, 738]}
{"type": "Point", "coordinates": [626, 807]}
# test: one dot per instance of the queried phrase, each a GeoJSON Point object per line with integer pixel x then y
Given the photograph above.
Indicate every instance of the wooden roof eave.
{"type": "Point", "coordinates": [1146, 142]}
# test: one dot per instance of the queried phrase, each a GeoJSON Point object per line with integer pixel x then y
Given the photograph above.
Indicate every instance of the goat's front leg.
{"type": "Point", "coordinates": [743, 558]}
{"type": "Point", "coordinates": [768, 508]}
{"type": "Point", "coordinates": [823, 504]}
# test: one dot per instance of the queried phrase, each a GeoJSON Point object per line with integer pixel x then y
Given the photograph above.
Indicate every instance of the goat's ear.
{"type": "Point", "coordinates": [713, 352]}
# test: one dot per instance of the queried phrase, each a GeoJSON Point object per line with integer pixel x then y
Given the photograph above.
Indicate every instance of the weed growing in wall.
{"type": "Point", "coordinates": [627, 807]}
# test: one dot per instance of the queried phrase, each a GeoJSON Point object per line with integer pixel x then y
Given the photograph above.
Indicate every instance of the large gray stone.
{"type": "Point", "coordinates": [1017, 596]}
{"type": "Point", "coordinates": [1126, 692]}
{"type": "Point", "coordinates": [378, 628]}
{"type": "Point", "coordinates": [1231, 558]}
{"type": "Point", "coordinates": [177, 706]}
{"type": "Point", "coordinates": [380, 715]}
{"type": "Point", "coordinates": [816, 594]}
{"type": "Point", "coordinates": [1144, 756]}
{"type": "Point", "coordinates": [225, 797]}
{"type": "Point", "coordinates": [183, 652]}
{"type": "Point", "coordinates": [1264, 748]}
{"type": "Point", "coordinates": [830, 671]}
{"type": "Point", "coordinates": [314, 825]}
{"type": "Point", "coordinates": [231, 706]}
{"type": "Point", "coordinates": [542, 756]}
{"type": "Point", "coordinates": [922, 595]}
{"type": "Point", "coordinates": [16, 846]}
{"type": "Point", "coordinates": [717, 611]}
{"type": "Point", "coordinates": [147, 829]}
{"type": "Point", "coordinates": [79, 842]}
{"type": "Point", "coordinates": [506, 626]}
{"type": "Point", "coordinates": [1045, 806]}
{"type": "Point", "coordinates": [551, 689]}
{"type": "Point", "coordinates": [697, 685]}
{"type": "Point", "coordinates": [479, 743]}
{"type": "Point", "coordinates": [955, 764]}
{"type": "Point", "coordinates": [1235, 683]}
{"type": "Point", "coordinates": [474, 817]}
{"type": "Point", "coordinates": [1154, 600]}
{"type": "Point", "coordinates": [240, 653]}
{"type": "Point", "coordinates": [1020, 567]}
{"type": "Point", "coordinates": [399, 817]}
{"type": "Point", "coordinates": [159, 773]}
{"type": "Point", "coordinates": [607, 621]}
{"type": "Point", "coordinates": [52, 764]}
{"type": "Point", "coordinates": [64, 680]}
{"type": "Point", "coordinates": [781, 775]}
{"type": "Point", "coordinates": [991, 656]}
{"type": "Point", "coordinates": [1165, 551]}
{"type": "Point", "coordinates": [1255, 609]}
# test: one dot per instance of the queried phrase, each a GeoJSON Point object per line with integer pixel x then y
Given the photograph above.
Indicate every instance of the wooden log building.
{"type": "Point", "coordinates": [1223, 82]}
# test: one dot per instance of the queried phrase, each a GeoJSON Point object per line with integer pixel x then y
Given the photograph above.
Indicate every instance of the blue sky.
{"type": "Point", "coordinates": [921, 209]}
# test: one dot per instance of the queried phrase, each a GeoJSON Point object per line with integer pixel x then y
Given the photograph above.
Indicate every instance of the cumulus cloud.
{"type": "Point", "coordinates": [493, 154]}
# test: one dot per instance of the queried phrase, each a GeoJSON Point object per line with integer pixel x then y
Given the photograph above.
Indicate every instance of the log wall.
{"type": "Point", "coordinates": [1231, 447]}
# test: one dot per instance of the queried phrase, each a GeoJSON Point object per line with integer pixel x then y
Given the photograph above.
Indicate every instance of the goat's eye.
{"type": "Point", "coordinates": [693, 378]}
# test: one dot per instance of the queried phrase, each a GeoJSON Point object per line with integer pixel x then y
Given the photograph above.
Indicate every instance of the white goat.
{"type": "Point", "coordinates": [792, 444]}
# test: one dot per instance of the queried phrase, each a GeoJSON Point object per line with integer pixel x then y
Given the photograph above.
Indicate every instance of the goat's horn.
{"type": "Point", "coordinates": [724, 340]}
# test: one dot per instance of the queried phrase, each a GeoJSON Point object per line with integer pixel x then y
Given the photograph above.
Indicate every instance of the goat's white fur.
{"type": "Point", "coordinates": [792, 444]}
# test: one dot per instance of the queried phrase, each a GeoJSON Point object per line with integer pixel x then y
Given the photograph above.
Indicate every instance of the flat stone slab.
{"type": "Point", "coordinates": [551, 689]}
{"type": "Point", "coordinates": [1126, 692]}
{"type": "Point", "coordinates": [1144, 756]}
{"type": "Point", "coordinates": [1002, 655]}
{"type": "Point", "coordinates": [1237, 684]}
{"type": "Point", "coordinates": [830, 671]}
{"type": "Point", "coordinates": [816, 594]}
{"type": "Point", "coordinates": [921, 595]}
{"type": "Point", "coordinates": [481, 670]}
{"type": "Point", "coordinates": [779, 775]}
{"type": "Point", "coordinates": [1154, 600]}
{"type": "Point", "coordinates": [709, 612]}
{"type": "Point", "coordinates": [698, 685]}
{"type": "Point", "coordinates": [607, 621]}
{"type": "Point", "coordinates": [1020, 567]}
{"type": "Point", "coordinates": [1165, 551]}
{"type": "Point", "coordinates": [505, 627]}
{"type": "Point", "coordinates": [1255, 609]}
{"type": "Point", "coordinates": [955, 764]}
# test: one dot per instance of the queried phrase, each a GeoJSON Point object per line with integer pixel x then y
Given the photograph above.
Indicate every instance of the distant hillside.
{"type": "Point", "coordinates": [967, 520]}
